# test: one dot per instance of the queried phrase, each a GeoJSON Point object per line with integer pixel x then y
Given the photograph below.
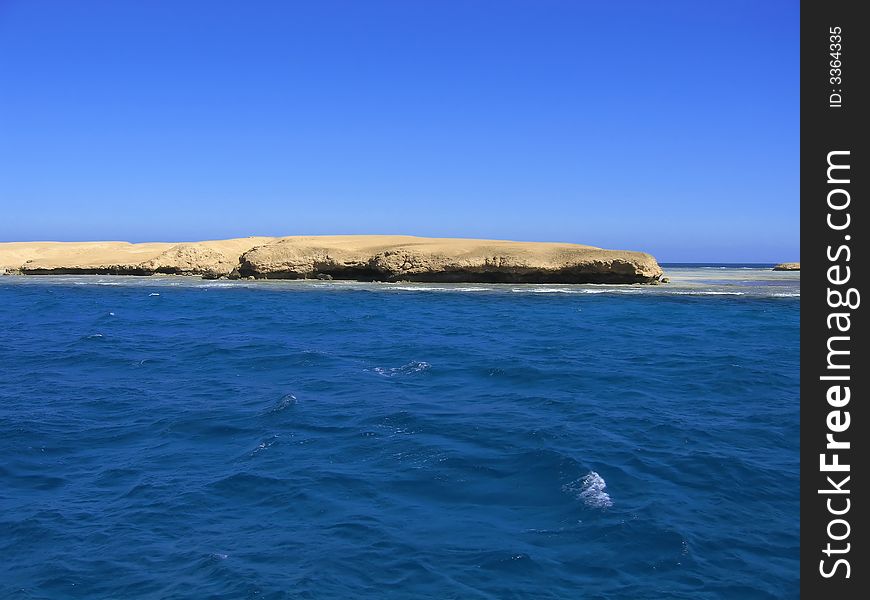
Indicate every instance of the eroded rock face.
{"type": "Point", "coordinates": [288, 259]}
{"type": "Point", "coordinates": [436, 261]}
{"type": "Point", "coordinates": [792, 266]}
{"type": "Point", "coordinates": [192, 259]}
{"type": "Point", "coordinates": [365, 258]}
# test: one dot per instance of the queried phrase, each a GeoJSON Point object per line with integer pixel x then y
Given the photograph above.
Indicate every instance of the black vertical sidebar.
{"type": "Point", "coordinates": [835, 383]}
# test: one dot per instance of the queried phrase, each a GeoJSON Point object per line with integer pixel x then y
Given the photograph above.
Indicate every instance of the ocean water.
{"type": "Point", "coordinates": [177, 438]}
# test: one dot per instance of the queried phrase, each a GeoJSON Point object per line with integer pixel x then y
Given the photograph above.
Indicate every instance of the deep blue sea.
{"type": "Point", "coordinates": [168, 437]}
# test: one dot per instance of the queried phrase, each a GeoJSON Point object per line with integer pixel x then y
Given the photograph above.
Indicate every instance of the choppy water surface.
{"type": "Point", "coordinates": [178, 438]}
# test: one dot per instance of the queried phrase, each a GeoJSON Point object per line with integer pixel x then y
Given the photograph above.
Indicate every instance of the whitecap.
{"type": "Point", "coordinates": [590, 489]}
{"type": "Point", "coordinates": [286, 401]}
{"type": "Point", "coordinates": [703, 293]}
{"type": "Point", "coordinates": [429, 288]}
{"type": "Point", "coordinates": [154, 294]}
{"type": "Point", "coordinates": [264, 445]}
{"type": "Point", "coordinates": [531, 290]}
{"type": "Point", "coordinates": [407, 369]}
{"type": "Point", "coordinates": [542, 290]}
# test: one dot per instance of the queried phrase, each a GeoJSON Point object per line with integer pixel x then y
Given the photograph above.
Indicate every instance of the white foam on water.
{"type": "Point", "coordinates": [531, 290]}
{"type": "Point", "coordinates": [426, 288]}
{"type": "Point", "coordinates": [286, 401]}
{"type": "Point", "coordinates": [686, 282]}
{"type": "Point", "coordinates": [407, 369]}
{"type": "Point", "coordinates": [534, 290]}
{"type": "Point", "coordinates": [542, 290]}
{"type": "Point", "coordinates": [591, 490]}
{"type": "Point", "coordinates": [264, 445]}
{"type": "Point", "coordinates": [704, 293]}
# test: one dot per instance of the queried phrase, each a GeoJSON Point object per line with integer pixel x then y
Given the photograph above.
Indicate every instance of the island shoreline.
{"type": "Point", "coordinates": [355, 258]}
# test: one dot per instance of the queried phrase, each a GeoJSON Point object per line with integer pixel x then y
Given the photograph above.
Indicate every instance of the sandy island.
{"type": "Point", "coordinates": [356, 257]}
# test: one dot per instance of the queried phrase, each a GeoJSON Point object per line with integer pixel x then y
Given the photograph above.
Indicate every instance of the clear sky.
{"type": "Point", "coordinates": [665, 126]}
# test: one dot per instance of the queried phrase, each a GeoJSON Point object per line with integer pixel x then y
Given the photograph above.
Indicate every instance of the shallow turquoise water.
{"type": "Point", "coordinates": [175, 438]}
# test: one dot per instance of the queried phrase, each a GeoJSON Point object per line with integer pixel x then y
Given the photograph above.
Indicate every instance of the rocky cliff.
{"type": "Point", "coordinates": [792, 266]}
{"type": "Point", "coordinates": [367, 258]}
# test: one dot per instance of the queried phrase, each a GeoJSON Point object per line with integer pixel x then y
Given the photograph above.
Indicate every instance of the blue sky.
{"type": "Point", "coordinates": [670, 127]}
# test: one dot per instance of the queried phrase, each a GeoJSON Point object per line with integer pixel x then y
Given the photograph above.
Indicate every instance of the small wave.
{"type": "Point", "coordinates": [577, 291]}
{"type": "Point", "coordinates": [542, 290]}
{"type": "Point", "coordinates": [408, 288]}
{"type": "Point", "coordinates": [591, 490]}
{"type": "Point", "coordinates": [286, 401]}
{"type": "Point", "coordinates": [264, 445]}
{"type": "Point", "coordinates": [154, 294]}
{"type": "Point", "coordinates": [705, 293]}
{"type": "Point", "coordinates": [408, 369]}
{"type": "Point", "coordinates": [564, 291]}
{"type": "Point", "coordinates": [788, 295]}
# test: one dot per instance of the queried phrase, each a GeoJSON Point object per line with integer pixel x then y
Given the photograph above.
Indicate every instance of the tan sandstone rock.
{"type": "Point", "coordinates": [359, 257]}
{"type": "Point", "coordinates": [792, 266]}
{"type": "Point", "coordinates": [192, 259]}
{"type": "Point", "coordinates": [406, 258]}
